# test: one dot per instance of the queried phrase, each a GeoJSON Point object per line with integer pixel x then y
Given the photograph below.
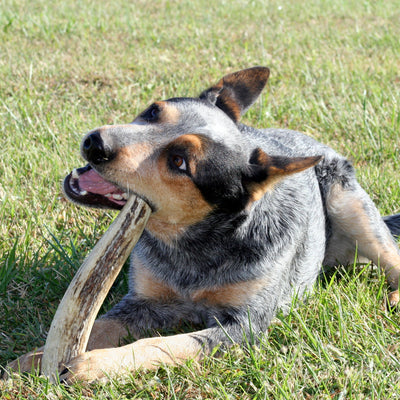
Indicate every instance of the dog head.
{"type": "Point", "coordinates": [185, 156]}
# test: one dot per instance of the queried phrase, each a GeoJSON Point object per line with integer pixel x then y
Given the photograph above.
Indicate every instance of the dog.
{"type": "Point", "coordinates": [242, 220]}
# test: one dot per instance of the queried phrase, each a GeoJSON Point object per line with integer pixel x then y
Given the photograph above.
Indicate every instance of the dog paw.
{"type": "Point", "coordinates": [29, 362]}
{"type": "Point", "coordinates": [393, 299]}
{"type": "Point", "coordinates": [92, 366]}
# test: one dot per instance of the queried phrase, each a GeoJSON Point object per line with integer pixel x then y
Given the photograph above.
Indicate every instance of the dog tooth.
{"type": "Point", "coordinates": [117, 197]}
{"type": "Point", "coordinates": [107, 195]}
{"type": "Point", "coordinates": [83, 192]}
{"type": "Point", "coordinates": [125, 196]}
{"type": "Point", "coordinates": [75, 174]}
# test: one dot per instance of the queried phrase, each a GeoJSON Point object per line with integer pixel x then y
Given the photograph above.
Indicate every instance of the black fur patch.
{"type": "Point", "coordinates": [151, 114]}
{"type": "Point", "coordinates": [335, 171]}
{"type": "Point", "coordinates": [219, 179]}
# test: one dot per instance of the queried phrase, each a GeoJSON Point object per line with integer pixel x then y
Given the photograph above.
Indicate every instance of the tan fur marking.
{"type": "Point", "coordinates": [147, 353]}
{"type": "Point", "coordinates": [148, 286]}
{"type": "Point", "coordinates": [263, 158]}
{"type": "Point", "coordinates": [195, 208]}
{"type": "Point", "coordinates": [180, 202]}
{"type": "Point", "coordinates": [195, 146]}
{"type": "Point", "coordinates": [169, 114]}
{"type": "Point", "coordinates": [231, 105]}
{"type": "Point", "coordinates": [236, 294]}
{"type": "Point", "coordinates": [140, 168]}
{"type": "Point", "coordinates": [348, 215]}
{"type": "Point", "coordinates": [258, 190]}
{"type": "Point", "coordinates": [194, 143]}
{"type": "Point", "coordinates": [165, 231]}
{"type": "Point", "coordinates": [130, 157]}
{"type": "Point", "coordinates": [278, 172]}
{"type": "Point", "coordinates": [106, 333]}
{"type": "Point", "coordinates": [26, 363]}
{"type": "Point", "coordinates": [171, 350]}
{"type": "Point", "coordinates": [165, 189]}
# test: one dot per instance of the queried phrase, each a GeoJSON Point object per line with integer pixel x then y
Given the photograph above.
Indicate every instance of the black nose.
{"type": "Point", "coordinates": [95, 150]}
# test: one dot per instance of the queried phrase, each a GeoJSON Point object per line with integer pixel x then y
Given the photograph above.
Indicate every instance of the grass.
{"type": "Point", "coordinates": [66, 67]}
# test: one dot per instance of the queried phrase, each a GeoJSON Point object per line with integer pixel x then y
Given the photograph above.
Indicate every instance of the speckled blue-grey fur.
{"type": "Point", "coordinates": [282, 239]}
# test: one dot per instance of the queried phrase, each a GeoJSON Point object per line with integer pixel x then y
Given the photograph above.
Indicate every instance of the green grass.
{"type": "Point", "coordinates": [67, 67]}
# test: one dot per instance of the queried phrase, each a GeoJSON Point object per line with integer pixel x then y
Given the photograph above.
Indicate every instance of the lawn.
{"type": "Point", "coordinates": [67, 67]}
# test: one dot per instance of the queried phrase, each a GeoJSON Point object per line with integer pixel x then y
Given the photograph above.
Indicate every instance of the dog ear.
{"type": "Point", "coordinates": [236, 92]}
{"type": "Point", "coordinates": [265, 171]}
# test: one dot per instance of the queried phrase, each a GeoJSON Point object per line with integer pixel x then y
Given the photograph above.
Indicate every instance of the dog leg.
{"type": "Point", "coordinates": [225, 327]}
{"type": "Point", "coordinates": [29, 362]}
{"type": "Point", "coordinates": [106, 333]}
{"type": "Point", "coordinates": [356, 223]}
{"type": "Point", "coordinates": [147, 353]}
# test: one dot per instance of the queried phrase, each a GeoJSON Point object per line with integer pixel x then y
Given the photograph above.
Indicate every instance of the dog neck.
{"type": "Point", "coordinates": [166, 232]}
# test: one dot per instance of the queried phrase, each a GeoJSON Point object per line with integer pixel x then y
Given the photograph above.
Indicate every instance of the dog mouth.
{"type": "Point", "coordinates": [86, 186]}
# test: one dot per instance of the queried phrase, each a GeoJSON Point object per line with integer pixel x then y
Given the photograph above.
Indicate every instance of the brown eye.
{"type": "Point", "coordinates": [179, 162]}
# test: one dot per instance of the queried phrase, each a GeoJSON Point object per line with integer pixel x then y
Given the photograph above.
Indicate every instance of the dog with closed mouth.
{"type": "Point", "coordinates": [243, 219]}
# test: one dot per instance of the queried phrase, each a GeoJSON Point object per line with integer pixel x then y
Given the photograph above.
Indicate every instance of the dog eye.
{"type": "Point", "coordinates": [179, 162]}
{"type": "Point", "coordinates": [151, 114]}
{"type": "Point", "coordinates": [154, 112]}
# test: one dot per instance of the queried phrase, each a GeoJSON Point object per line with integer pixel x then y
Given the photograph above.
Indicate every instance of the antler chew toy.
{"type": "Point", "coordinates": [70, 329]}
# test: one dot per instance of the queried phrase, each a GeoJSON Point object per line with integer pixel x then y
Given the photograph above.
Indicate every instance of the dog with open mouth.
{"type": "Point", "coordinates": [88, 184]}
{"type": "Point", "coordinates": [243, 219]}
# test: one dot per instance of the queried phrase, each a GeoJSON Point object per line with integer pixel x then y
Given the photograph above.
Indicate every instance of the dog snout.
{"type": "Point", "coordinates": [95, 149]}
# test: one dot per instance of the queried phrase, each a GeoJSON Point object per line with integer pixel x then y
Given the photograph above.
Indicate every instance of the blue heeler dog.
{"type": "Point", "coordinates": [243, 219]}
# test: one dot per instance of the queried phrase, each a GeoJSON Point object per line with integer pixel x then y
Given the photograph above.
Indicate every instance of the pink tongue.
{"type": "Point", "coordinates": [92, 182]}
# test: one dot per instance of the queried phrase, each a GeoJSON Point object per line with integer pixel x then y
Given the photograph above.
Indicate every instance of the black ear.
{"type": "Point", "coordinates": [236, 92]}
{"type": "Point", "coordinates": [265, 171]}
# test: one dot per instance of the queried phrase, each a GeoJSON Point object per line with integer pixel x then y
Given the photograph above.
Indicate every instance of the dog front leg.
{"type": "Point", "coordinates": [105, 333]}
{"type": "Point", "coordinates": [225, 329]}
{"type": "Point", "coordinates": [147, 353]}
{"type": "Point", "coordinates": [29, 362]}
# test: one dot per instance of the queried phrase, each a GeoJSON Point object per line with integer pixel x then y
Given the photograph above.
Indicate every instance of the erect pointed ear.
{"type": "Point", "coordinates": [236, 92]}
{"type": "Point", "coordinates": [265, 171]}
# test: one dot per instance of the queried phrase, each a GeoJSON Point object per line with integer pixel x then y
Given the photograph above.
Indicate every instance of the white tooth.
{"type": "Point", "coordinates": [75, 174]}
{"type": "Point", "coordinates": [125, 196]}
{"type": "Point", "coordinates": [83, 192]}
{"type": "Point", "coordinates": [117, 197]}
{"type": "Point", "coordinates": [108, 195]}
